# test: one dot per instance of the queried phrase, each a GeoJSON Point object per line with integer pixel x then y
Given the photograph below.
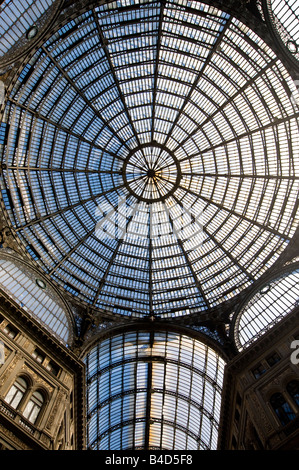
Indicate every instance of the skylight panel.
{"type": "Point", "coordinates": [108, 96]}
{"type": "Point", "coordinates": [265, 308]}
{"type": "Point", "coordinates": [173, 375]}
{"type": "Point", "coordinates": [20, 284]}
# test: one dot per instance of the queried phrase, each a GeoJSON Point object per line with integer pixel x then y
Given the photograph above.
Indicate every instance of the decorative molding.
{"type": "Point", "coordinates": [261, 416]}
{"type": "Point", "coordinates": [38, 379]}
{"type": "Point", "coordinates": [8, 239]}
{"type": "Point", "coordinates": [23, 45]}
{"type": "Point", "coordinates": [10, 368]}
{"type": "Point", "coordinates": [60, 399]}
{"type": "Point", "coordinates": [8, 434]}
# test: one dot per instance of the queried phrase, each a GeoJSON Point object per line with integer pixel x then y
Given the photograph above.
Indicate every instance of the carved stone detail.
{"type": "Point", "coordinates": [261, 415]}
{"type": "Point", "coordinates": [10, 368]}
{"type": "Point", "coordinates": [8, 240]}
{"type": "Point", "coordinates": [60, 399]}
{"type": "Point", "coordinates": [13, 438]}
{"type": "Point", "coordinates": [276, 384]}
{"type": "Point", "coordinates": [38, 379]}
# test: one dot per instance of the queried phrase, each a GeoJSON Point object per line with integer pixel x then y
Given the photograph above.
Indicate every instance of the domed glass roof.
{"type": "Point", "coordinates": [150, 157]}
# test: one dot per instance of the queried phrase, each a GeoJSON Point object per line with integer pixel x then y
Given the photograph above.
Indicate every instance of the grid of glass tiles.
{"type": "Point", "coordinates": [22, 285]}
{"type": "Point", "coordinates": [266, 308]}
{"type": "Point", "coordinates": [159, 390]}
{"type": "Point", "coordinates": [184, 76]}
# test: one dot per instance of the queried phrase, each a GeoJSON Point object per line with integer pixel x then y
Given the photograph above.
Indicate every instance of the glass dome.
{"type": "Point", "coordinates": [153, 390]}
{"type": "Point", "coordinates": [35, 296]}
{"type": "Point", "coordinates": [266, 308]}
{"type": "Point", "coordinates": [149, 157]}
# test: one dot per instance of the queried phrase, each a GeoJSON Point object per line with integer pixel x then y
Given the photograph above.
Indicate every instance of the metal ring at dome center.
{"type": "Point", "coordinates": [151, 173]}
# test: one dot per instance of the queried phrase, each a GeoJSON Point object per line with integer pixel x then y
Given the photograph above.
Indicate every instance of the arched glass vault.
{"type": "Point", "coordinates": [36, 296]}
{"type": "Point", "coordinates": [149, 157]}
{"type": "Point", "coordinates": [266, 307]}
{"type": "Point", "coordinates": [153, 390]}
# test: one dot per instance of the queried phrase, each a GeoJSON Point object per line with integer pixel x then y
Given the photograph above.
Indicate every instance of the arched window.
{"type": "Point", "coordinates": [282, 409]}
{"type": "Point", "coordinates": [293, 390]}
{"type": "Point", "coordinates": [34, 406]}
{"type": "Point", "coordinates": [16, 392]}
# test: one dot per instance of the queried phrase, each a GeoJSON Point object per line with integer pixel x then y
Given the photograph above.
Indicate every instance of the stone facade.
{"type": "Point", "coordinates": [47, 367]}
{"type": "Point", "coordinates": [264, 369]}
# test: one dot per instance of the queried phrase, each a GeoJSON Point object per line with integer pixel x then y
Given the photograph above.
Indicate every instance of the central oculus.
{"type": "Point", "coordinates": [151, 173]}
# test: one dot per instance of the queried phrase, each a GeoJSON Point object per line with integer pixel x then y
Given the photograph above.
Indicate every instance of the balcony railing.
{"type": "Point", "coordinates": [15, 416]}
